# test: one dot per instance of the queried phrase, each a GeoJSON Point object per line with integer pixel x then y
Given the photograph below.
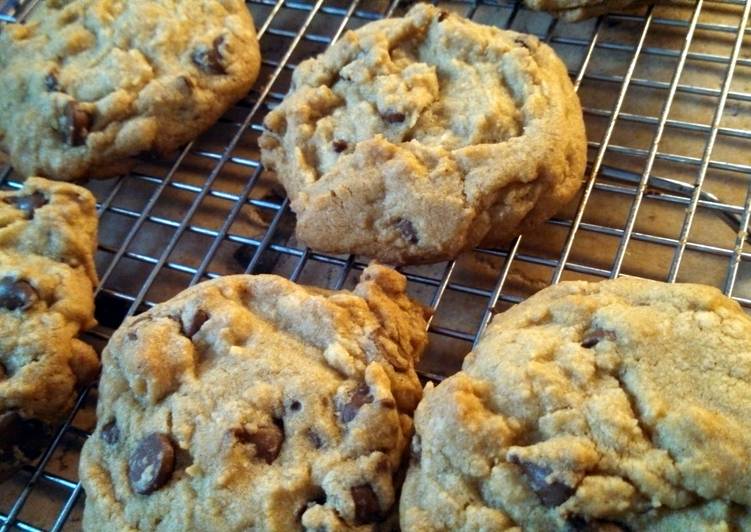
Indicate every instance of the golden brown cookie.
{"type": "Point", "coordinates": [412, 139]}
{"type": "Point", "coordinates": [252, 403]}
{"type": "Point", "coordinates": [620, 405]}
{"type": "Point", "coordinates": [87, 85]}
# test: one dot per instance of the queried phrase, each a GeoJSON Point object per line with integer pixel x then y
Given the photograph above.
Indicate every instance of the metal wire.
{"type": "Point", "coordinates": [291, 30]}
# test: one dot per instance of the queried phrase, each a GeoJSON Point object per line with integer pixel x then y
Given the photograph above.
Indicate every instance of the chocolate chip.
{"type": "Point", "coordinates": [317, 498]}
{"type": "Point", "coordinates": [552, 493]}
{"type": "Point", "coordinates": [521, 41]}
{"type": "Point", "coordinates": [315, 439]}
{"type": "Point", "coordinates": [442, 16]}
{"type": "Point", "coordinates": [190, 329]}
{"type": "Point", "coordinates": [340, 145]}
{"type": "Point", "coordinates": [76, 124]}
{"type": "Point", "coordinates": [51, 83]}
{"type": "Point", "coordinates": [595, 337]}
{"type": "Point", "coordinates": [577, 523]}
{"type": "Point", "coordinates": [111, 433]}
{"type": "Point", "coordinates": [295, 406]}
{"type": "Point", "coordinates": [27, 203]}
{"type": "Point", "coordinates": [367, 508]}
{"type": "Point", "coordinates": [360, 397]}
{"type": "Point", "coordinates": [407, 230]}
{"type": "Point", "coordinates": [151, 464]}
{"type": "Point", "coordinates": [267, 440]}
{"type": "Point", "coordinates": [394, 117]}
{"type": "Point", "coordinates": [210, 59]}
{"type": "Point", "coordinates": [16, 294]}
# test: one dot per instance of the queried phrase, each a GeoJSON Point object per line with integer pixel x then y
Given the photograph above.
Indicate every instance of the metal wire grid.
{"type": "Point", "coordinates": [283, 46]}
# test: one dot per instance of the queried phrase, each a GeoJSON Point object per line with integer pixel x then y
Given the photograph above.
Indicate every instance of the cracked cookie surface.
{"type": "Point", "coordinates": [47, 275]}
{"type": "Point", "coordinates": [412, 139]}
{"type": "Point", "coordinates": [619, 405]}
{"type": "Point", "coordinates": [87, 85]}
{"type": "Point", "coordinates": [252, 403]}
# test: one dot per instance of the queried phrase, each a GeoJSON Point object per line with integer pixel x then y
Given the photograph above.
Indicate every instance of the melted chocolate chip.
{"type": "Point", "coordinates": [407, 230]}
{"type": "Point", "coordinates": [340, 145]}
{"type": "Point", "coordinates": [111, 433]}
{"type": "Point", "coordinates": [552, 493]}
{"type": "Point", "coordinates": [27, 203]}
{"type": "Point", "coordinates": [267, 440]}
{"type": "Point", "coordinates": [295, 406]}
{"type": "Point", "coordinates": [194, 325]}
{"type": "Point", "coordinates": [51, 83]}
{"type": "Point", "coordinates": [360, 397]}
{"type": "Point", "coordinates": [394, 117]}
{"type": "Point", "coordinates": [76, 124]}
{"type": "Point", "coordinates": [16, 294]}
{"type": "Point", "coordinates": [367, 508]}
{"type": "Point", "coordinates": [314, 438]}
{"type": "Point", "coordinates": [442, 16]}
{"type": "Point", "coordinates": [151, 464]}
{"type": "Point", "coordinates": [210, 59]}
{"type": "Point", "coordinates": [595, 337]}
{"type": "Point", "coordinates": [521, 41]}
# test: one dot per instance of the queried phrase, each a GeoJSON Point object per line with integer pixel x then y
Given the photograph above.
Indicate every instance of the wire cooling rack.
{"type": "Point", "coordinates": [667, 98]}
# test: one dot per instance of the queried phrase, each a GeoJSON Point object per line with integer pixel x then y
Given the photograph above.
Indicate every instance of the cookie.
{"type": "Point", "coordinates": [88, 85]}
{"type": "Point", "coordinates": [52, 219]}
{"type": "Point", "coordinates": [412, 139]}
{"type": "Point", "coordinates": [252, 403]}
{"type": "Point", "coordinates": [575, 10]}
{"type": "Point", "coordinates": [620, 405]}
{"type": "Point", "coordinates": [47, 274]}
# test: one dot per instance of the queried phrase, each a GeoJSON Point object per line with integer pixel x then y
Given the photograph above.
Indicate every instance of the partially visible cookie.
{"type": "Point", "coordinates": [613, 406]}
{"type": "Point", "coordinates": [87, 85]}
{"type": "Point", "coordinates": [55, 220]}
{"type": "Point", "coordinates": [252, 403]}
{"type": "Point", "coordinates": [412, 139]}
{"type": "Point", "coordinates": [47, 275]}
{"type": "Point", "coordinates": [574, 10]}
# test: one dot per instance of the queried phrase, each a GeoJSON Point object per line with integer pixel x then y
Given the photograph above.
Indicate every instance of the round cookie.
{"type": "Point", "coordinates": [412, 139]}
{"type": "Point", "coordinates": [87, 85]}
{"type": "Point", "coordinates": [249, 402]}
{"type": "Point", "coordinates": [611, 406]}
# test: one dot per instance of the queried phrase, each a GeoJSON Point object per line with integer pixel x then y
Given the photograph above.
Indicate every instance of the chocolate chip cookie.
{"type": "Point", "coordinates": [87, 85]}
{"type": "Point", "coordinates": [412, 139]}
{"type": "Point", "coordinates": [573, 10]}
{"type": "Point", "coordinates": [47, 274]}
{"type": "Point", "coordinates": [620, 405]}
{"type": "Point", "coordinates": [252, 403]}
